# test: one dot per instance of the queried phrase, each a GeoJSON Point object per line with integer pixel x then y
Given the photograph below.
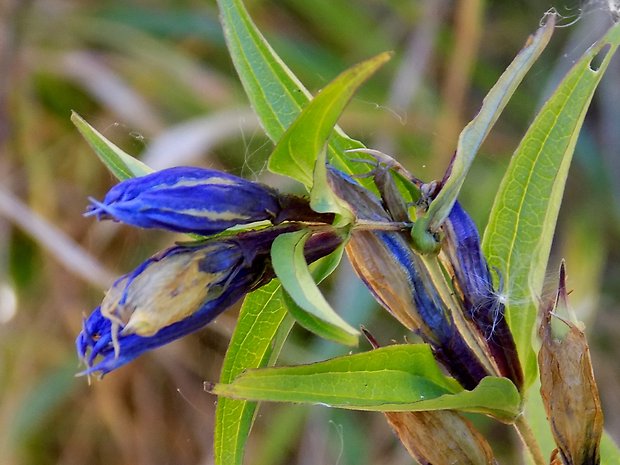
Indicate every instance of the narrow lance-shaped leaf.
{"type": "Point", "coordinates": [312, 311]}
{"type": "Point", "coordinates": [262, 328]}
{"type": "Point", "coordinates": [276, 95]}
{"type": "Point", "coordinates": [297, 150]}
{"type": "Point", "coordinates": [322, 197]}
{"type": "Point", "coordinates": [474, 134]}
{"type": "Point", "coordinates": [121, 164]}
{"type": "Point", "coordinates": [518, 236]}
{"type": "Point", "coordinates": [262, 317]}
{"type": "Point", "coordinates": [396, 378]}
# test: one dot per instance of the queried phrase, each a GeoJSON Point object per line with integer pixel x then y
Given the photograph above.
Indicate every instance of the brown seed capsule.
{"type": "Point", "coordinates": [440, 437]}
{"type": "Point", "coordinates": [568, 388]}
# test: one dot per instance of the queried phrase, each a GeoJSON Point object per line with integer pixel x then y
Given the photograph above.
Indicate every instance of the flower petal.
{"type": "Point", "coordinates": [179, 291]}
{"type": "Point", "coordinates": [187, 199]}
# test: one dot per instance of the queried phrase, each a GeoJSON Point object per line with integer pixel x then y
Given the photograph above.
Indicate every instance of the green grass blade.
{"type": "Point", "coordinates": [276, 95]}
{"type": "Point", "coordinates": [121, 164]}
{"type": "Point", "coordinates": [311, 311]}
{"type": "Point", "coordinates": [474, 134]}
{"type": "Point", "coordinates": [518, 236]}
{"type": "Point", "coordinates": [394, 378]}
{"type": "Point", "coordinates": [262, 318]}
{"type": "Point", "coordinates": [297, 150]}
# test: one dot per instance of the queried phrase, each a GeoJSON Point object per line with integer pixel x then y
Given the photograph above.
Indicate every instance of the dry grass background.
{"type": "Point", "coordinates": [154, 76]}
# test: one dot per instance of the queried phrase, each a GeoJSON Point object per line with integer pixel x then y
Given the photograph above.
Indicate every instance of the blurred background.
{"type": "Point", "coordinates": [154, 77]}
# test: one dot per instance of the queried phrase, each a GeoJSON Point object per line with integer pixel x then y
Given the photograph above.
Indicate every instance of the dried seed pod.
{"type": "Point", "coordinates": [568, 388]}
{"type": "Point", "coordinates": [440, 437]}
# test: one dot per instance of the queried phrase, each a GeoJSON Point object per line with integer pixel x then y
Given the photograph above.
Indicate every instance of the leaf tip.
{"type": "Point", "coordinates": [549, 18]}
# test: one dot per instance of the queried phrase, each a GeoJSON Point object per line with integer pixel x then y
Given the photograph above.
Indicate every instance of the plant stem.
{"type": "Point", "coordinates": [529, 441]}
{"type": "Point", "coordinates": [368, 225]}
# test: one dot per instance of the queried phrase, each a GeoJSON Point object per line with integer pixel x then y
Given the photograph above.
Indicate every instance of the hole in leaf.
{"type": "Point", "coordinates": [597, 60]}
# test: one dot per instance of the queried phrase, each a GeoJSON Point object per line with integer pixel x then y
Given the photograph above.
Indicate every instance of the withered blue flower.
{"type": "Point", "coordinates": [462, 256]}
{"type": "Point", "coordinates": [394, 274]}
{"type": "Point", "coordinates": [179, 291]}
{"type": "Point", "coordinates": [461, 252]}
{"type": "Point", "coordinates": [197, 200]}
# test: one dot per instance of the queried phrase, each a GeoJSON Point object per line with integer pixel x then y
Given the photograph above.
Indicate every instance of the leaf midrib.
{"type": "Point", "coordinates": [517, 229]}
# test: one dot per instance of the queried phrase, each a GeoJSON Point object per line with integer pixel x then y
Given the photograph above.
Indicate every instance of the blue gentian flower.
{"type": "Point", "coordinates": [198, 200]}
{"type": "Point", "coordinates": [179, 291]}
{"type": "Point", "coordinates": [393, 272]}
{"type": "Point", "coordinates": [483, 307]}
{"type": "Point", "coordinates": [463, 248]}
{"type": "Point", "coordinates": [462, 256]}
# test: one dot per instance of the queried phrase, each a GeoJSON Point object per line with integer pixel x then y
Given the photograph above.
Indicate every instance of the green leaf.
{"type": "Point", "coordinates": [261, 330]}
{"type": "Point", "coordinates": [610, 454]}
{"type": "Point", "coordinates": [274, 92]}
{"type": "Point", "coordinates": [45, 396]}
{"type": "Point", "coordinates": [534, 411]}
{"type": "Point", "coordinates": [394, 378]}
{"type": "Point", "coordinates": [297, 150]}
{"type": "Point", "coordinates": [518, 236]}
{"type": "Point", "coordinates": [121, 164]}
{"type": "Point", "coordinates": [323, 199]}
{"type": "Point", "coordinates": [474, 134]}
{"type": "Point", "coordinates": [311, 311]}
{"type": "Point", "coordinates": [262, 317]}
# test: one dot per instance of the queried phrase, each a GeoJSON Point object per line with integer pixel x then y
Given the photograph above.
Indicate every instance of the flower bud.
{"type": "Point", "coordinates": [461, 253]}
{"type": "Point", "coordinates": [568, 388]}
{"type": "Point", "coordinates": [197, 200]}
{"type": "Point", "coordinates": [180, 290]}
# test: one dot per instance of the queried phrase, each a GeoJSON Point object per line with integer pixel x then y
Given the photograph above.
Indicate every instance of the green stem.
{"type": "Point", "coordinates": [529, 441]}
{"type": "Point", "coordinates": [368, 225]}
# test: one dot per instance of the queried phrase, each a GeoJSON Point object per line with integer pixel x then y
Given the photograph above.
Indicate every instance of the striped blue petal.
{"type": "Point", "coordinates": [179, 291]}
{"type": "Point", "coordinates": [482, 305]}
{"type": "Point", "coordinates": [188, 199]}
{"type": "Point", "coordinates": [394, 274]}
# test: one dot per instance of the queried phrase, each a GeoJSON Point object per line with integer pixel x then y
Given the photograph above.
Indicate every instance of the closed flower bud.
{"type": "Point", "coordinates": [180, 290]}
{"type": "Point", "coordinates": [197, 200]}
{"type": "Point", "coordinates": [461, 253]}
{"type": "Point", "coordinates": [391, 270]}
{"type": "Point", "coordinates": [568, 388]}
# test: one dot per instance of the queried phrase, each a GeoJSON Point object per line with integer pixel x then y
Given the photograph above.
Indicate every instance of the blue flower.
{"type": "Point", "coordinates": [179, 291]}
{"type": "Point", "coordinates": [395, 275]}
{"type": "Point", "coordinates": [462, 245]}
{"type": "Point", "coordinates": [482, 306]}
{"type": "Point", "coordinates": [188, 199]}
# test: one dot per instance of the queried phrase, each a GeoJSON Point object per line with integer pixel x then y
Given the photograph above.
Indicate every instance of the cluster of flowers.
{"type": "Point", "coordinates": [185, 287]}
{"type": "Point", "coordinates": [462, 320]}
